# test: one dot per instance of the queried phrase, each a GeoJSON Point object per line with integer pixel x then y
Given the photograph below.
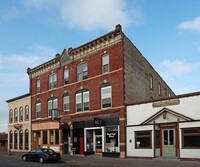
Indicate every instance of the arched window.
{"type": "Point", "coordinates": [11, 116]}
{"type": "Point", "coordinates": [16, 115]}
{"type": "Point", "coordinates": [26, 140]}
{"type": "Point", "coordinates": [15, 139]}
{"type": "Point", "coordinates": [20, 114]}
{"type": "Point", "coordinates": [52, 81]}
{"type": "Point", "coordinates": [82, 71]}
{"type": "Point", "coordinates": [26, 113]}
{"type": "Point", "coordinates": [82, 101]}
{"type": "Point", "coordinates": [21, 139]}
{"type": "Point", "coordinates": [11, 140]}
{"type": "Point", "coordinates": [106, 95]}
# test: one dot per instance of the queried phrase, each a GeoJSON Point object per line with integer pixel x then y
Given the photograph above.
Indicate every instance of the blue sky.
{"type": "Point", "coordinates": [167, 33]}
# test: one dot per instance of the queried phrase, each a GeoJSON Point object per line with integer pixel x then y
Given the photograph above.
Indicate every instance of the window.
{"type": "Point", "coordinates": [16, 114]}
{"type": "Point", "coordinates": [150, 81]}
{"type": "Point", "coordinates": [38, 110]}
{"type": "Point", "coordinates": [191, 138]}
{"type": "Point", "coordinates": [66, 102]}
{"type": "Point", "coordinates": [52, 105]}
{"type": "Point", "coordinates": [15, 139]}
{"type": "Point", "coordinates": [105, 63]}
{"type": "Point", "coordinates": [11, 140]}
{"type": "Point", "coordinates": [106, 96]}
{"type": "Point", "coordinates": [66, 76]}
{"type": "Point", "coordinates": [159, 88]}
{"type": "Point", "coordinates": [26, 140]}
{"type": "Point", "coordinates": [21, 140]}
{"type": "Point", "coordinates": [82, 71]}
{"type": "Point", "coordinates": [82, 101]}
{"type": "Point", "coordinates": [45, 137]}
{"type": "Point", "coordinates": [57, 136]}
{"type": "Point", "coordinates": [26, 113]}
{"type": "Point", "coordinates": [20, 114]}
{"type": "Point", "coordinates": [38, 86]}
{"type": "Point", "coordinates": [143, 139]}
{"type": "Point", "coordinates": [165, 91]}
{"type": "Point", "coordinates": [11, 116]}
{"type": "Point", "coordinates": [52, 81]}
{"type": "Point", "coordinates": [51, 137]}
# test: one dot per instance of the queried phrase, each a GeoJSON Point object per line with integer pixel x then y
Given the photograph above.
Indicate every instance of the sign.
{"type": "Point", "coordinates": [166, 103]}
{"type": "Point", "coordinates": [97, 122]}
{"type": "Point", "coordinates": [17, 125]}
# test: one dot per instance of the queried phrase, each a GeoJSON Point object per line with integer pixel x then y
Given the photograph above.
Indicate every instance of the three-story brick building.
{"type": "Point", "coordinates": [85, 90]}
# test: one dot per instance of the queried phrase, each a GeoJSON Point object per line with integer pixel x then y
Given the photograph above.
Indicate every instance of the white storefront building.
{"type": "Point", "coordinates": [164, 128]}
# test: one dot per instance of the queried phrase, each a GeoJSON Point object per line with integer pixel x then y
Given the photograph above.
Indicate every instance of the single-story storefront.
{"type": "Point", "coordinates": [164, 128]}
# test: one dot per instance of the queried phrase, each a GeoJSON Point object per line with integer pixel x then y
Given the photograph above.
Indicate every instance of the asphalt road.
{"type": "Point", "coordinates": [94, 161]}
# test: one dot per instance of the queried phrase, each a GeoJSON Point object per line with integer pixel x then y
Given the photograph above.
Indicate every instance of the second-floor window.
{"type": "Point", "coordinates": [66, 102]}
{"type": "Point", "coordinates": [38, 110]}
{"type": "Point", "coordinates": [11, 116]}
{"type": "Point", "coordinates": [16, 114]}
{"type": "Point", "coordinates": [106, 96]}
{"type": "Point", "coordinates": [82, 71]}
{"type": "Point", "coordinates": [26, 113]}
{"type": "Point", "coordinates": [82, 101]}
{"type": "Point", "coordinates": [38, 86]}
{"type": "Point", "coordinates": [105, 63]}
{"type": "Point", "coordinates": [52, 105]}
{"type": "Point", "coordinates": [52, 81]}
{"type": "Point", "coordinates": [20, 114]}
{"type": "Point", "coordinates": [66, 76]}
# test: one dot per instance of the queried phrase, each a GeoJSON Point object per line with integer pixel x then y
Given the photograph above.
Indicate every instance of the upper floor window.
{"type": "Point", "coordinates": [38, 86]}
{"type": "Point", "coordinates": [11, 116]}
{"type": "Point", "coordinates": [105, 63]}
{"type": "Point", "coordinates": [82, 71]}
{"type": "Point", "coordinates": [150, 81]}
{"type": "Point", "coordinates": [66, 76]}
{"type": "Point", "coordinates": [82, 101]}
{"type": "Point", "coordinates": [16, 115]}
{"type": "Point", "coordinates": [20, 114]}
{"type": "Point", "coordinates": [52, 81]}
{"type": "Point", "coordinates": [26, 113]}
{"type": "Point", "coordinates": [159, 88]}
{"type": "Point", "coordinates": [38, 109]}
{"type": "Point", "coordinates": [52, 105]}
{"type": "Point", "coordinates": [106, 96]}
{"type": "Point", "coordinates": [66, 102]}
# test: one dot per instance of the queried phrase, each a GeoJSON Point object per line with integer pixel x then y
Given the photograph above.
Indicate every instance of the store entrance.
{"type": "Point", "coordinates": [98, 141]}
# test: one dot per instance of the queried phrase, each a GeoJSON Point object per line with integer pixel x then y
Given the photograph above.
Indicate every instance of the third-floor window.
{"type": "Point", "coordinates": [38, 86]}
{"type": "Point", "coordinates": [52, 81]}
{"type": "Point", "coordinates": [105, 63]}
{"type": "Point", "coordinates": [82, 71]}
{"type": "Point", "coordinates": [66, 76]}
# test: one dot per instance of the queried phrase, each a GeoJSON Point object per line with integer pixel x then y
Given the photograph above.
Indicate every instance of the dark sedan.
{"type": "Point", "coordinates": [41, 155]}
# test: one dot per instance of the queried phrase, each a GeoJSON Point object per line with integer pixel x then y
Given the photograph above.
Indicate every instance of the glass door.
{"type": "Point", "coordinates": [168, 143]}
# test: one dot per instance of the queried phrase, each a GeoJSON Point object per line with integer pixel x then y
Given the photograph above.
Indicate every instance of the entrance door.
{"type": "Point", "coordinates": [168, 143]}
{"type": "Point", "coordinates": [98, 143]}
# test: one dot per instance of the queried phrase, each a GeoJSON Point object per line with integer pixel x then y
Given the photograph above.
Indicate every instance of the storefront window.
{"type": "Point", "coordinates": [112, 143]}
{"type": "Point", "coordinates": [44, 137]}
{"type": "Point", "coordinates": [191, 138]}
{"type": "Point", "coordinates": [57, 136]}
{"type": "Point", "coordinates": [51, 137]}
{"type": "Point", "coordinates": [89, 140]}
{"type": "Point", "coordinates": [143, 139]}
{"type": "Point", "coordinates": [26, 140]}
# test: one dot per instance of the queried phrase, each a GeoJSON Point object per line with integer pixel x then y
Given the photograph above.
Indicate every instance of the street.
{"type": "Point", "coordinates": [91, 161]}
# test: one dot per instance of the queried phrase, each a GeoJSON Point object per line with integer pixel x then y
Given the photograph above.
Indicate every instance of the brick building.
{"type": "Point", "coordinates": [78, 98]}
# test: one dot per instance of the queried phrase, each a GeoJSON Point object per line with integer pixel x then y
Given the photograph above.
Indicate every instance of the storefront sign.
{"type": "Point", "coordinates": [166, 103]}
{"type": "Point", "coordinates": [97, 122]}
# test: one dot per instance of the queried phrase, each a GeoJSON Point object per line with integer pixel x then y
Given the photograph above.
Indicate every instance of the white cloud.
{"type": "Point", "coordinates": [190, 25]}
{"type": "Point", "coordinates": [97, 14]}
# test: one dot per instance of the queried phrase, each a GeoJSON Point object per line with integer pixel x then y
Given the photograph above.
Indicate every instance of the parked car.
{"type": "Point", "coordinates": [41, 155]}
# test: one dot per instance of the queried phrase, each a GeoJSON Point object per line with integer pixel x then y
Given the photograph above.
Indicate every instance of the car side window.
{"type": "Point", "coordinates": [33, 151]}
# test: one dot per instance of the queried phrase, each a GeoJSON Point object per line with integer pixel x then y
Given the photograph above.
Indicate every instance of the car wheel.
{"type": "Point", "coordinates": [24, 158]}
{"type": "Point", "coordinates": [41, 160]}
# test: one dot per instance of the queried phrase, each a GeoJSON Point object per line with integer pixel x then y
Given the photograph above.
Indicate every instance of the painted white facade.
{"type": "Point", "coordinates": [168, 117]}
